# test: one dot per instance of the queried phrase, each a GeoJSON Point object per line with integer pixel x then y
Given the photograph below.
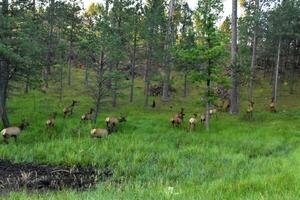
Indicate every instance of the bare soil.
{"type": "Point", "coordinates": [34, 177]}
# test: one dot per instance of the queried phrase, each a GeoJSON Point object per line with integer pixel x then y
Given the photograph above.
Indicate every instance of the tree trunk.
{"type": "Point", "coordinates": [168, 46]}
{"type": "Point", "coordinates": [26, 87]}
{"type": "Point", "coordinates": [86, 74]}
{"type": "Point", "coordinates": [100, 75]}
{"type": "Point", "coordinates": [132, 70]}
{"type": "Point", "coordinates": [4, 76]}
{"type": "Point", "coordinates": [185, 84]}
{"type": "Point", "coordinates": [70, 63]}
{"type": "Point", "coordinates": [234, 108]}
{"type": "Point", "coordinates": [253, 60]}
{"type": "Point", "coordinates": [114, 89]}
{"type": "Point", "coordinates": [208, 96]}
{"type": "Point", "coordinates": [292, 76]}
{"type": "Point", "coordinates": [47, 70]}
{"type": "Point", "coordinates": [147, 80]}
{"type": "Point", "coordinates": [61, 81]}
{"type": "Point", "coordinates": [275, 87]}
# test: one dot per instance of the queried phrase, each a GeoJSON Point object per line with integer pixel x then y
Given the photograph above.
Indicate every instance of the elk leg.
{"type": "Point", "coordinates": [15, 138]}
{"type": "Point", "coordinates": [5, 139]}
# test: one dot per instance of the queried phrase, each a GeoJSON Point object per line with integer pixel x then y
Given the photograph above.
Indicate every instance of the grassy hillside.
{"type": "Point", "coordinates": [237, 159]}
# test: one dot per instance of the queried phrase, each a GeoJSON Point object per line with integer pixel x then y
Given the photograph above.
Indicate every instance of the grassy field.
{"type": "Point", "coordinates": [237, 159]}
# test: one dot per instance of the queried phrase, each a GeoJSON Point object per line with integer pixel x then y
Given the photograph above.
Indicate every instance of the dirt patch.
{"type": "Point", "coordinates": [33, 177]}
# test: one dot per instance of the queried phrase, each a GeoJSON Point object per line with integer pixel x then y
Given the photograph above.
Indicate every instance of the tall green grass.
{"type": "Point", "coordinates": [236, 159]}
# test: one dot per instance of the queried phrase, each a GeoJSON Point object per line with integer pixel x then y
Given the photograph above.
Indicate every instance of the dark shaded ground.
{"type": "Point", "coordinates": [33, 177]}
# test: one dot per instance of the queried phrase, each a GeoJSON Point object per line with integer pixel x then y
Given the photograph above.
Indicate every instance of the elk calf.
{"type": "Point", "coordinates": [202, 118]}
{"type": "Point", "coordinates": [51, 121]}
{"type": "Point", "coordinates": [272, 106]}
{"type": "Point", "coordinates": [250, 110]}
{"type": "Point", "coordinates": [13, 131]}
{"type": "Point", "coordinates": [69, 110]}
{"type": "Point", "coordinates": [88, 116]}
{"type": "Point", "coordinates": [192, 122]}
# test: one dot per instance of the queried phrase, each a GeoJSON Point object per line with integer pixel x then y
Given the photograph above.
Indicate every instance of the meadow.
{"type": "Point", "coordinates": [236, 159]}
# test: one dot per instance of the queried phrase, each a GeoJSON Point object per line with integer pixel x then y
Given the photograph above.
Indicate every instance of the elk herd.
{"type": "Point", "coordinates": [112, 123]}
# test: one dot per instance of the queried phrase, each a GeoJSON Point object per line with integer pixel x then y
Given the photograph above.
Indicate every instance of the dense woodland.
{"type": "Point", "coordinates": [116, 42]}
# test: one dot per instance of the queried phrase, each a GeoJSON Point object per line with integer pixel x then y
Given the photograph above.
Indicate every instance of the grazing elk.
{"type": "Point", "coordinates": [99, 133]}
{"type": "Point", "coordinates": [51, 121]}
{"type": "Point", "coordinates": [69, 110]}
{"type": "Point", "coordinates": [250, 110]}
{"type": "Point", "coordinates": [13, 131]}
{"type": "Point", "coordinates": [113, 122]}
{"type": "Point", "coordinates": [272, 106]}
{"type": "Point", "coordinates": [88, 116]}
{"type": "Point", "coordinates": [192, 122]}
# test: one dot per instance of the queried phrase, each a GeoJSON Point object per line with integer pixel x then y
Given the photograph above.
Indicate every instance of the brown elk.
{"type": "Point", "coordinates": [13, 131]}
{"type": "Point", "coordinates": [202, 118]}
{"type": "Point", "coordinates": [113, 122]}
{"type": "Point", "coordinates": [250, 110]}
{"type": "Point", "coordinates": [51, 121]}
{"type": "Point", "coordinates": [178, 118]}
{"type": "Point", "coordinates": [273, 106]}
{"type": "Point", "coordinates": [99, 133]}
{"type": "Point", "coordinates": [69, 110]}
{"type": "Point", "coordinates": [87, 116]}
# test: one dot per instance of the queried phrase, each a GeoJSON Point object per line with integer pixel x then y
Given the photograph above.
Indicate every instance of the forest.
{"type": "Point", "coordinates": [149, 99]}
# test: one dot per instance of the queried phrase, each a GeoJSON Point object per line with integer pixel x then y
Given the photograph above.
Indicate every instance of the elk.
{"type": "Point", "coordinates": [192, 122]}
{"type": "Point", "coordinates": [202, 118]}
{"type": "Point", "coordinates": [213, 111]}
{"type": "Point", "coordinates": [13, 131]}
{"type": "Point", "coordinates": [99, 133]}
{"type": "Point", "coordinates": [272, 106]}
{"type": "Point", "coordinates": [250, 110]}
{"type": "Point", "coordinates": [113, 122]}
{"type": "Point", "coordinates": [87, 116]}
{"type": "Point", "coordinates": [178, 119]}
{"type": "Point", "coordinates": [51, 121]}
{"type": "Point", "coordinates": [69, 110]}
{"type": "Point", "coordinates": [153, 104]}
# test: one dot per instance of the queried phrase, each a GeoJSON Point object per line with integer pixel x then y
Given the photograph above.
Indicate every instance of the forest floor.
{"type": "Point", "coordinates": [148, 159]}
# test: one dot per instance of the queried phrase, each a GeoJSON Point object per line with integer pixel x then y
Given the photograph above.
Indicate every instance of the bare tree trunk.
{"type": "Point", "coordinates": [185, 84]}
{"type": "Point", "coordinates": [70, 63]}
{"type": "Point", "coordinates": [168, 46]}
{"type": "Point", "coordinates": [253, 60]}
{"type": "Point", "coordinates": [114, 90]}
{"type": "Point", "coordinates": [109, 80]}
{"type": "Point", "coordinates": [100, 81]}
{"type": "Point", "coordinates": [208, 96]}
{"type": "Point", "coordinates": [4, 77]}
{"type": "Point", "coordinates": [275, 87]}
{"type": "Point", "coordinates": [61, 81]}
{"type": "Point", "coordinates": [47, 70]}
{"type": "Point", "coordinates": [26, 87]}
{"type": "Point", "coordinates": [147, 79]}
{"type": "Point", "coordinates": [86, 74]}
{"type": "Point", "coordinates": [133, 62]}
{"type": "Point", "coordinates": [292, 76]}
{"type": "Point", "coordinates": [234, 104]}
